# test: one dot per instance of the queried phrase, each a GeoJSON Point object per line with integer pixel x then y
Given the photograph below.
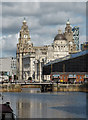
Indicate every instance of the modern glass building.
{"type": "Point", "coordinates": [76, 36]}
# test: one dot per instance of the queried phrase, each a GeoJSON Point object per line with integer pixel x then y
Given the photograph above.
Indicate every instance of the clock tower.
{"type": "Point", "coordinates": [22, 47]}
{"type": "Point", "coordinates": [24, 33]}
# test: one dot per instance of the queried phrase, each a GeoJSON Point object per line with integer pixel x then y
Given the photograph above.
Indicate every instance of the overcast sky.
{"type": "Point", "coordinates": [43, 19]}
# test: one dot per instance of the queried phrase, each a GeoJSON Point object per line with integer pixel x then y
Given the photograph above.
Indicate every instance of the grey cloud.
{"type": "Point", "coordinates": [43, 20]}
{"type": "Point", "coordinates": [39, 14]}
{"type": "Point", "coordinates": [8, 53]}
{"type": "Point", "coordinates": [33, 23]}
{"type": "Point", "coordinates": [41, 40]}
{"type": "Point", "coordinates": [78, 7]}
{"type": "Point", "coordinates": [9, 4]}
{"type": "Point", "coordinates": [20, 9]}
{"type": "Point", "coordinates": [82, 39]}
{"type": "Point", "coordinates": [9, 45]}
{"type": "Point", "coordinates": [54, 18]}
{"type": "Point", "coordinates": [36, 8]}
{"type": "Point", "coordinates": [11, 25]}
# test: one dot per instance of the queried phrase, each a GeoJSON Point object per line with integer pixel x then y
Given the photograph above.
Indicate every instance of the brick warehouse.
{"type": "Point", "coordinates": [73, 67]}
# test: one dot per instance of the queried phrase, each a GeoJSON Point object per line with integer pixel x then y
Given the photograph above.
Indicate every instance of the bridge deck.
{"type": "Point", "coordinates": [35, 83]}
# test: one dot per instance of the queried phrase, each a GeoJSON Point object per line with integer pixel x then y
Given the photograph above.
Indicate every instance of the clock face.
{"type": "Point", "coordinates": [25, 36]}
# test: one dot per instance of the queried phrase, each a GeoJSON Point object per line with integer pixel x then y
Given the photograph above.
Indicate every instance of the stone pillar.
{"type": "Point", "coordinates": [20, 67]}
{"type": "Point", "coordinates": [17, 65]}
{"type": "Point", "coordinates": [36, 70]}
{"type": "Point", "coordinates": [31, 67]}
{"type": "Point", "coordinates": [40, 71]}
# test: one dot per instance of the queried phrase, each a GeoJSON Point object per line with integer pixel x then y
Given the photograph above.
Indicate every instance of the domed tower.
{"type": "Point", "coordinates": [22, 47]}
{"type": "Point", "coordinates": [69, 36]}
{"type": "Point", "coordinates": [24, 38]}
{"type": "Point", "coordinates": [24, 33]}
{"type": "Point", "coordinates": [60, 45]}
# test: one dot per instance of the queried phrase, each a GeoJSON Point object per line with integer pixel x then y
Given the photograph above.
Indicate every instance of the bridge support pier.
{"type": "Point", "coordinates": [46, 88]}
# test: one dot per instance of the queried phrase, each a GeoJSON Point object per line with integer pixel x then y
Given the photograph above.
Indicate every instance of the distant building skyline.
{"type": "Point", "coordinates": [31, 58]}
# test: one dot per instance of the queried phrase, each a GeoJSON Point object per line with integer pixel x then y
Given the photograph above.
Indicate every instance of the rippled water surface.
{"type": "Point", "coordinates": [30, 103]}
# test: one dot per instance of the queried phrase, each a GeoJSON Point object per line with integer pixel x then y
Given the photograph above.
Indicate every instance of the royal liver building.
{"type": "Point", "coordinates": [30, 59]}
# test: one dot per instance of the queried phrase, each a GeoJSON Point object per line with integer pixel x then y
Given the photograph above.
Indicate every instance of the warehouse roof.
{"type": "Point", "coordinates": [71, 56]}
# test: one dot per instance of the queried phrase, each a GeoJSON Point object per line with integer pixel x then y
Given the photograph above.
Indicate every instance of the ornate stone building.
{"type": "Point", "coordinates": [30, 59]}
{"type": "Point", "coordinates": [69, 36]}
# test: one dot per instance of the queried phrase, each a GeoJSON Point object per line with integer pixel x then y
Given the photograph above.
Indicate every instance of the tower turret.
{"type": "Point", "coordinates": [24, 33]}
{"type": "Point", "coordinates": [22, 47]}
{"type": "Point", "coordinates": [69, 36]}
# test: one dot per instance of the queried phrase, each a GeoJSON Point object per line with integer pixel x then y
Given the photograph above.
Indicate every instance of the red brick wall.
{"type": "Point", "coordinates": [79, 78]}
{"type": "Point", "coordinates": [64, 78]}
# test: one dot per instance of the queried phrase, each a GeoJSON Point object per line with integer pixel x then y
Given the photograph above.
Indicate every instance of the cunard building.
{"type": "Point", "coordinates": [30, 59]}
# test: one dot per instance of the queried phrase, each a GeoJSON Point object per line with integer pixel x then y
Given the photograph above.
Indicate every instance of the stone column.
{"type": "Point", "coordinates": [20, 67]}
{"type": "Point", "coordinates": [40, 71]}
{"type": "Point", "coordinates": [36, 69]}
{"type": "Point", "coordinates": [17, 65]}
{"type": "Point", "coordinates": [31, 67]}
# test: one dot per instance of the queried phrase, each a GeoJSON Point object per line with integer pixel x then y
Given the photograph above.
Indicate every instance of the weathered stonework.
{"type": "Point", "coordinates": [30, 59]}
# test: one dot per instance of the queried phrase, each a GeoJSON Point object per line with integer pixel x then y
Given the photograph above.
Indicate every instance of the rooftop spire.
{"type": "Point", "coordinates": [24, 21]}
{"type": "Point", "coordinates": [59, 31]}
{"type": "Point", "coordinates": [68, 23]}
{"type": "Point", "coordinates": [24, 18]}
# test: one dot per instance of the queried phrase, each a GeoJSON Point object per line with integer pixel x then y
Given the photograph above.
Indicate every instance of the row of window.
{"type": "Point", "coordinates": [60, 46]}
{"type": "Point", "coordinates": [72, 77]}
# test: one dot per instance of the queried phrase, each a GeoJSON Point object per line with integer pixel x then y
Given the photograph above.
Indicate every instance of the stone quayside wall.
{"type": "Point", "coordinates": [10, 88]}
{"type": "Point", "coordinates": [72, 87]}
{"type": "Point", "coordinates": [55, 87]}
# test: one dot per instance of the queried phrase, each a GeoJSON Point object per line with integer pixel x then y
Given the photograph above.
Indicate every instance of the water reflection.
{"type": "Point", "coordinates": [31, 90]}
{"type": "Point", "coordinates": [1, 98]}
{"type": "Point", "coordinates": [30, 109]}
{"type": "Point", "coordinates": [33, 104]}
